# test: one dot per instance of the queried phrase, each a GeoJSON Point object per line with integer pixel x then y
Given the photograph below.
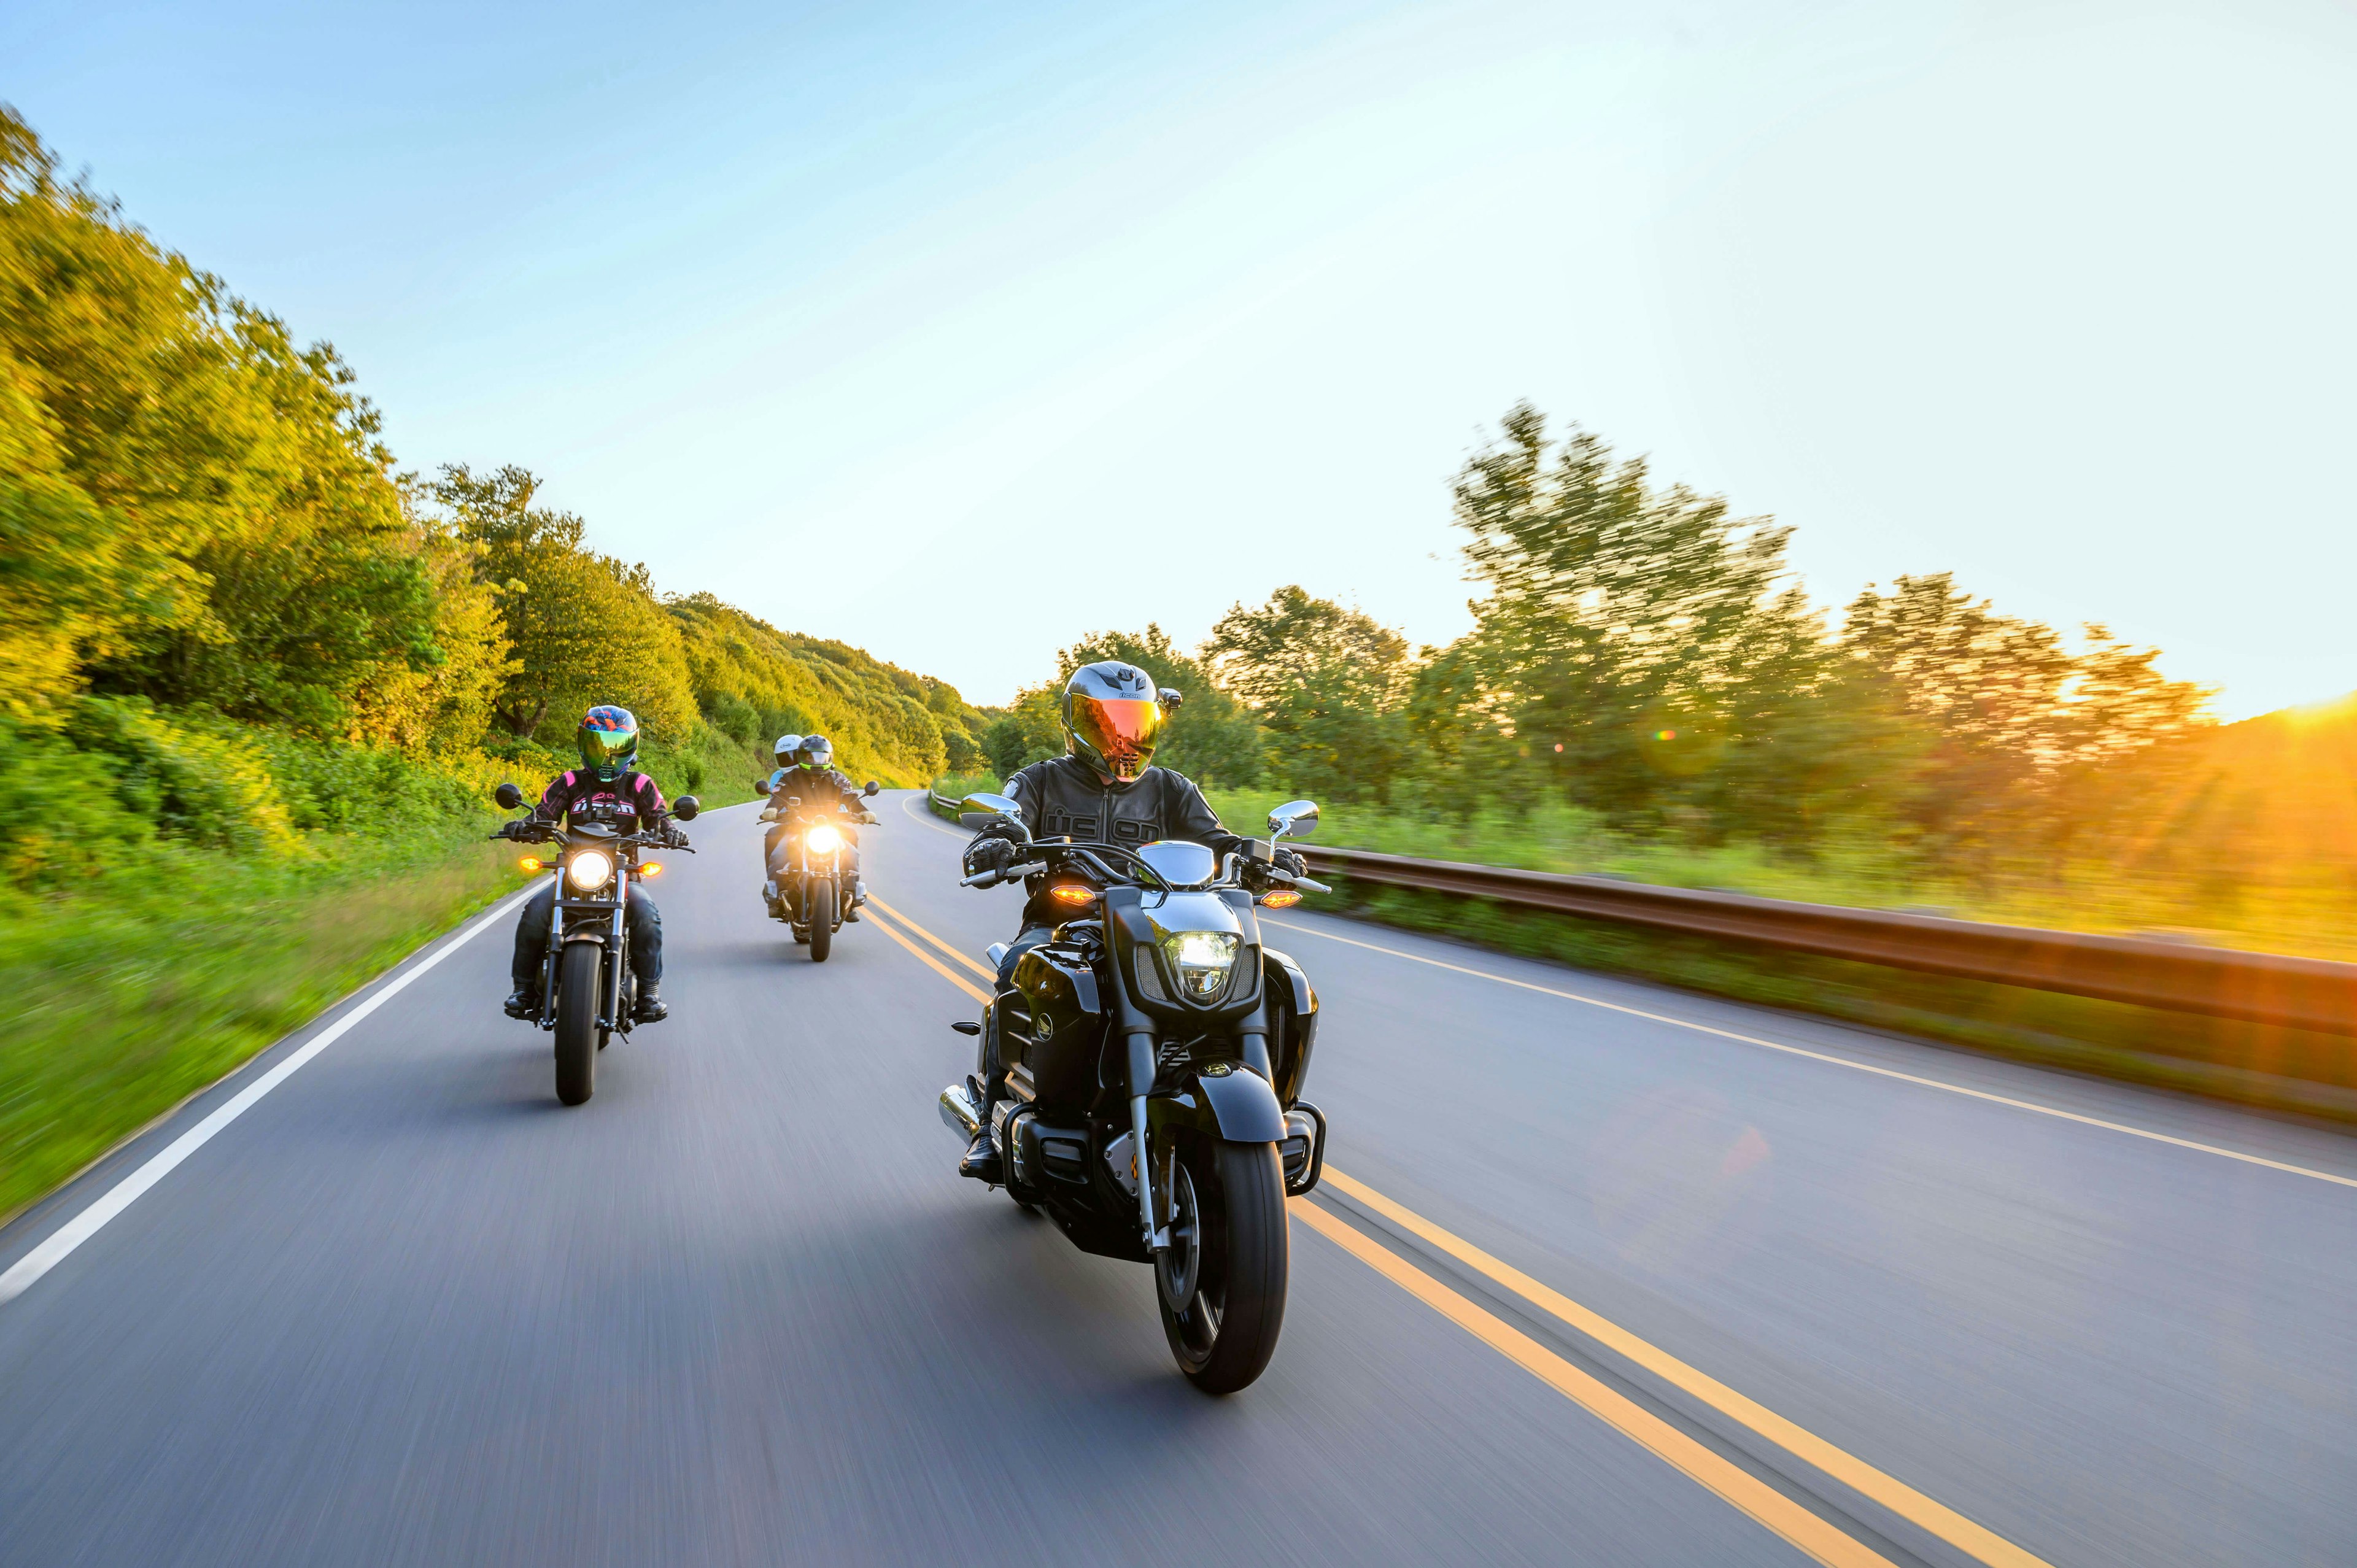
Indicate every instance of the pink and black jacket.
{"type": "Point", "coordinates": [577, 792]}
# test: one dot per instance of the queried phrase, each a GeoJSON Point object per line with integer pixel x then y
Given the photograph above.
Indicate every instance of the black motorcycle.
{"type": "Point", "coordinates": [1153, 1054]}
{"type": "Point", "coordinates": [809, 873]}
{"type": "Point", "coordinates": [587, 988]}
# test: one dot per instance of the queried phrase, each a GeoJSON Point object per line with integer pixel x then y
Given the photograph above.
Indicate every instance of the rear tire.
{"type": "Point", "coordinates": [1233, 1267]}
{"type": "Point", "coordinates": [822, 919]}
{"type": "Point", "coordinates": [577, 977]}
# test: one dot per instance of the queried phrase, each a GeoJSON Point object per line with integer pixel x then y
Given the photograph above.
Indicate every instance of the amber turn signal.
{"type": "Point", "coordinates": [1068, 894]}
{"type": "Point", "coordinates": [530, 862]}
{"type": "Point", "coordinates": [650, 868]}
{"type": "Point", "coordinates": [1281, 897]}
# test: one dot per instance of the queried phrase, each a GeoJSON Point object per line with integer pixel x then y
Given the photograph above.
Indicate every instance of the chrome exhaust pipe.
{"type": "Point", "coordinates": [959, 1114]}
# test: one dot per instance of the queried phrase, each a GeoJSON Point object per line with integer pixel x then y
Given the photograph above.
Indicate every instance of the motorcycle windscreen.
{"type": "Point", "coordinates": [1124, 731]}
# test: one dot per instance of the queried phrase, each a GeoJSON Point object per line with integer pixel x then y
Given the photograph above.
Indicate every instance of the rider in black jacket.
{"type": "Point", "coordinates": [806, 772]}
{"type": "Point", "coordinates": [1105, 790]}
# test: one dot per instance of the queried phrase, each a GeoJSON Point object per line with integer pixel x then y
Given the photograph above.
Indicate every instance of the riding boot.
{"type": "Point", "coordinates": [650, 1008]}
{"type": "Point", "coordinates": [982, 1162]}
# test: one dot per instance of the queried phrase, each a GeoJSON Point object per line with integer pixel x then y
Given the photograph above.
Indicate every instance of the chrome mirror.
{"type": "Point", "coordinates": [1294, 820]}
{"type": "Point", "coordinates": [982, 810]}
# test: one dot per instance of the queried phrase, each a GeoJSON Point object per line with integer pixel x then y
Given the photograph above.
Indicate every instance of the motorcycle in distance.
{"type": "Point", "coordinates": [807, 872]}
{"type": "Point", "coordinates": [1154, 1053]}
{"type": "Point", "coordinates": [586, 989]}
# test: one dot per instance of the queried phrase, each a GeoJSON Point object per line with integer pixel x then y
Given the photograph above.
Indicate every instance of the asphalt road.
{"type": "Point", "coordinates": [406, 1309]}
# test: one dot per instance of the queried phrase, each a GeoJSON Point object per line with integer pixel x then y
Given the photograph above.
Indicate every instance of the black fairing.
{"type": "Point", "coordinates": [1292, 1024]}
{"type": "Point", "coordinates": [1128, 919]}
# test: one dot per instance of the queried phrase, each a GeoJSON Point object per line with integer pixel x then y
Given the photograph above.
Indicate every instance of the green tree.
{"type": "Point", "coordinates": [1327, 684]}
{"type": "Point", "coordinates": [2016, 727]}
{"type": "Point", "coordinates": [192, 507]}
{"type": "Point", "coordinates": [1635, 646]}
{"type": "Point", "coordinates": [583, 628]}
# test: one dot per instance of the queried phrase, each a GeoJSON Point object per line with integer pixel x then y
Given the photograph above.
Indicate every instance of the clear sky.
{"type": "Point", "coordinates": [954, 330]}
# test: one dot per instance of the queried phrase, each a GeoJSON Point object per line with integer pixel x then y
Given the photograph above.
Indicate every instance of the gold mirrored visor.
{"type": "Point", "coordinates": [605, 745]}
{"type": "Point", "coordinates": [1122, 730]}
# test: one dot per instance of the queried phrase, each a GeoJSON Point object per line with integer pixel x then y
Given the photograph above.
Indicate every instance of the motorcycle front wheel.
{"type": "Point", "coordinates": [822, 919]}
{"type": "Point", "coordinates": [1221, 1283]}
{"type": "Point", "coordinates": [576, 1021]}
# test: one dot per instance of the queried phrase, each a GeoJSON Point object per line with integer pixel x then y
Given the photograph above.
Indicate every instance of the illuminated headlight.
{"type": "Point", "coordinates": [822, 840]}
{"type": "Point", "coordinates": [1202, 961]}
{"type": "Point", "coordinates": [590, 870]}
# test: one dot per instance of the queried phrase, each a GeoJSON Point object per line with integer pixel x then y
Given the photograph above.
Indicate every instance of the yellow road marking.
{"type": "Point", "coordinates": [925, 815]}
{"type": "Point", "coordinates": [981, 968]}
{"type": "Point", "coordinates": [1831, 1061]}
{"type": "Point", "coordinates": [1897, 1496]}
{"type": "Point", "coordinates": [1737, 1486]}
{"type": "Point", "coordinates": [929, 961]}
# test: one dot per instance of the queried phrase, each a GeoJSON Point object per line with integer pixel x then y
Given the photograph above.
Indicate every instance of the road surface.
{"type": "Point", "coordinates": [1607, 1274]}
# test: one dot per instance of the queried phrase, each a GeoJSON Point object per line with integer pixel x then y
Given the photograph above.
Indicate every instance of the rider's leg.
{"type": "Point", "coordinates": [769, 841]}
{"type": "Point", "coordinates": [982, 1158]}
{"type": "Point", "coordinates": [857, 885]}
{"type": "Point", "coordinates": [530, 949]}
{"type": "Point", "coordinates": [643, 924]}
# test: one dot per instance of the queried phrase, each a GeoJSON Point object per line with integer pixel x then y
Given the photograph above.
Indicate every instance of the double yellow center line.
{"type": "Point", "coordinates": [1763, 1503]}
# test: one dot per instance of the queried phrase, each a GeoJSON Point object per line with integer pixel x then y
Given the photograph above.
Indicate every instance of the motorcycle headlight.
{"type": "Point", "coordinates": [822, 840]}
{"type": "Point", "coordinates": [590, 870]}
{"type": "Point", "coordinates": [1202, 960]}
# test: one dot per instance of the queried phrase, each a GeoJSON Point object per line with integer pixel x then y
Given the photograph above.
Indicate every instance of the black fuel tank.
{"type": "Point", "coordinates": [1066, 1025]}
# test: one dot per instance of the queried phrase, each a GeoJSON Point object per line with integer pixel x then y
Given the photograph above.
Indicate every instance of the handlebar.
{"type": "Point", "coordinates": [1009, 873]}
{"type": "Point", "coordinates": [666, 835]}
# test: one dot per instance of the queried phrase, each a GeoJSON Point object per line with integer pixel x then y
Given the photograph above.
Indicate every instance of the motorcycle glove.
{"type": "Point", "coordinates": [1289, 862]}
{"type": "Point", "coordinates": [989, 854]}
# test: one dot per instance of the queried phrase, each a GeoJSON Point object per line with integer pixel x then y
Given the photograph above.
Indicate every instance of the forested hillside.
{"type": "Point", "coordinates": [256, 680]}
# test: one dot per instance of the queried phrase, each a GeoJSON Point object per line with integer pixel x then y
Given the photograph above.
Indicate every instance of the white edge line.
{"type": "Point", "coordinates": [1834, 1060]}
{"type": "Point", "coordinates": [59, 1244]}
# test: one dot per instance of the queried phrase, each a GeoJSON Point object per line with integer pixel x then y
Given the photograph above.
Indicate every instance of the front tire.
{"type": "Point", "coordinates": [822, 919]}
{"type": "Point", "coordinates": [1229, 1257]}
{"type": "Point", "coordinates": [576, 1021]}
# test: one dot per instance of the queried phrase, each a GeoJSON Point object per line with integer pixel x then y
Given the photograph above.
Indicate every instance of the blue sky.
{"type": "Point", "coordinates": [955, 331]}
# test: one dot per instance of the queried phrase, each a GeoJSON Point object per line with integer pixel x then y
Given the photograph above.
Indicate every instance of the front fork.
{"type": "Point", "coordinates": [1140, 1046]}
{"type": "Point", "coordinates": [617, 950]}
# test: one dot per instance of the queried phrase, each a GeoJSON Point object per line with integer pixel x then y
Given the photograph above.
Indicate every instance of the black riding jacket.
{"type": "Point", "coordinates": [1064, 798]}
{"type": "Point", "coordinates": [811, 784]}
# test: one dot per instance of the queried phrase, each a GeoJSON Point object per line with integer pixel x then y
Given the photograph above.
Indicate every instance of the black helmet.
{"type": "Point", "coordinates": [608, 739]}
{"type": "Point", "coordinates": [814, 751]}
{"type": "Point", "coordinates": [786, 745]}
{"type": "Point", "coordinates": [1113, 719]}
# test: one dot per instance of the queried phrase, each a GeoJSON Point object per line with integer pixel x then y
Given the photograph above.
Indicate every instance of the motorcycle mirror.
{"type": "Point", "coordinates": [873, 787]}
{"type": "Point", "coordinates": [507, 796]}
{"type": "Point", "coordinates": [1171, 696]}
{"type": "Point", "coordinates": [983, 809]}
{"type": "Point", "coordinates": [685, 808]}
{"type": "Point", "coordinates": [1294, 820]}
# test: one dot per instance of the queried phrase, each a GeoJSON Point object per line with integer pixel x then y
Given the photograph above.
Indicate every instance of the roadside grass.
{"type": "Point", "coordinates": [129, 999]}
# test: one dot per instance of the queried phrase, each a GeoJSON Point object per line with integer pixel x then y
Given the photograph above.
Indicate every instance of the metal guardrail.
{"type": "Point", "coordinates": [2220, 982]}
{"type": "Point", "coordinates": [2260, 988]}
